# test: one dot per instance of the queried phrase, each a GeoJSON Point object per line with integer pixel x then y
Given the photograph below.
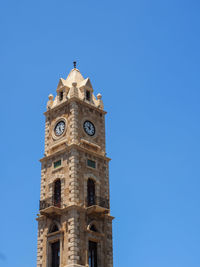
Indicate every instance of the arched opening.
{"type": "Point", "coordinates": [93, 228]}
{"type": "Point", "coordinates": [91, 192]}
{"type": "Point", "coordinates": [54, 245]}
{"type": "Point", "coordinates": [87, 95]}
{"type": "Point", "coordinates": [61, 96]}
{"type": "Point", "coordinates": [53, 228]}
{"type": "Point", "coordinates": [57, 194]}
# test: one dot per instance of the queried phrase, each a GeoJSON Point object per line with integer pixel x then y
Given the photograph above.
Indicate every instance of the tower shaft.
{"type": "Point", "coordinates": [74, 224]}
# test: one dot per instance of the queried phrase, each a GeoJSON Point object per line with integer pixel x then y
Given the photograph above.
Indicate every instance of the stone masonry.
{"type": "Point", "coordinates": [73, 156]}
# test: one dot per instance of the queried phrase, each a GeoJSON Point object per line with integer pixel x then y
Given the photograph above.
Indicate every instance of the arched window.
{"type": "Point", "coordinates": [91, 192]}
{"type": "Point", "coordinates": [54, 248]}
{"type": "Point", "coordinates": [93, 228]}
{"type": "Point", "coordinates": [53, 228]}
{"type": "Point", "coordinates": [57, 194]}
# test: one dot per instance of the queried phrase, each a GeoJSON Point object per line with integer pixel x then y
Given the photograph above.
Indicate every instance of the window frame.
{"type": "Point", "coordinates": [90, 160]}
{"type": "Point", "coordinates": [55, 168]}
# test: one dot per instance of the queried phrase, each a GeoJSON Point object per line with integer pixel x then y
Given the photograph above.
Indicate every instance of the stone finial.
{"type": "Point", "coordinates": [50, 102]}
{"type": "Point", "coordinates": [50, 97]}
{"type": "Point", "coordinates": [73, 90]}
{"type": "Point", "coordinates": [99, 101]}
{"type": "Point", "coordinates": [99, 96]}
{"type": "Point", "coordinates": [74, 64]}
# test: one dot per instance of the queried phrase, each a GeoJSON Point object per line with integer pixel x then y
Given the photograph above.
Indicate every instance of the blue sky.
{"type": "Point", "coordinates": [144, 57]}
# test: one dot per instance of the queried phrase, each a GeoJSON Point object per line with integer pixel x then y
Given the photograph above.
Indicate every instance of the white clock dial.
{"type": "Point", "coordinates": [59, 128]}
{"type": "Point", "coordinates": [89, 128]}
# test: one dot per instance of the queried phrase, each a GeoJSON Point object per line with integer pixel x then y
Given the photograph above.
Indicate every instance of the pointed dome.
{"type": "Point", "coordinates": [75, 86]}
{"type": "Point", "coordinates": [74, 76]}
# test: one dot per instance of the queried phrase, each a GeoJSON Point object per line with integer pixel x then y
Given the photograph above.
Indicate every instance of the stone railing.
{"type": "Point", "coordinates": [48, 202]}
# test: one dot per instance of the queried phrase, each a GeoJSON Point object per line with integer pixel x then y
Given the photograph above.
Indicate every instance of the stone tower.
{"type": "Point", "coordinates": [74, 224]}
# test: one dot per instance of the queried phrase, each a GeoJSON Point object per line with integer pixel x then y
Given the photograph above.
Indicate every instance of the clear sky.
{"type": "Point", "coordinates": [144, 57]}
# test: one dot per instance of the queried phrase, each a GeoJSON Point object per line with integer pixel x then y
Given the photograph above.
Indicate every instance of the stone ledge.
{"type": "Point", "coordinates": [73, 100]}
{"type": "Point", "coordinates": [77, 148]}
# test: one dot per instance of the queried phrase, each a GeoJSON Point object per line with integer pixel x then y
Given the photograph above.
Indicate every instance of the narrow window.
{"type": "Point", "coordinates": [87, 95]}
{"type": "Point", "coordinates": [91, 163]}
{"type": "Point", "coordinates": [55, 254]}
{"type": "Point", "coordinates": [92, 254]}
{"type": "Point", "coordinates": [57, 164]}
{"type": "Point", "coordinates": [91, 192]}
{"type": "Point", "coordinates": [61, 96]}
{"type": "Point", "coordinates": [57, 194]}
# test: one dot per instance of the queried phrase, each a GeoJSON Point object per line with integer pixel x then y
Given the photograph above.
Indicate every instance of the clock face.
{"type": "Point", "coordinates": [59, 128]}
{"type": "Point", "coordinates": [89, 128]}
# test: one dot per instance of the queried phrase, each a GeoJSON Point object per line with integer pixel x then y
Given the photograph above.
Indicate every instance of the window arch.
{"type": "Point", "coordinates": [93, 228]}
{"type": "Point", "coordinates": [53, 228]}
{"type": "Point", "coordinates": [57, 193]}
{"type": "Point", "coordinates": [54, 240]}
{"type": "Point", "coordinates": [91, 192]}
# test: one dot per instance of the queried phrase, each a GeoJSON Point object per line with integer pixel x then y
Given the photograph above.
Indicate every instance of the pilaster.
{"type": "Point", "coordinates": [73, 178]}
{"type": "Point", "coordinates": [47, 125]}
{"type": "Point", "coordinates": [73, 238]}
{"type": "Point", "coordinates": [73, 123]}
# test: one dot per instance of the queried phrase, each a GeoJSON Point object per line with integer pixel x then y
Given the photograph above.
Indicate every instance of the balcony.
{"type": "Point", "coordinates": [97, 204]}
{"type": "Point", "coordinates": [50, 205]}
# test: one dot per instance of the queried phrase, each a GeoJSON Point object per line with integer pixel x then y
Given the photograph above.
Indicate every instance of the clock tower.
{"type": "Point", "coordinates": [74, 223]}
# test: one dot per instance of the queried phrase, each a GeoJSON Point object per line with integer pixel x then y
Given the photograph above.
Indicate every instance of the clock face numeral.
{"type": "Point", "coordinates": [59, 128]}
{"type": "Point", "coordinates": [89, 128]}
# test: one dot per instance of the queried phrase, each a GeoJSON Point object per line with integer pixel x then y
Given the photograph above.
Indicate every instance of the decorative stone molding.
{"type": "Point", "coordinates": [55, 177]}
{"type": "Point", "coordinates": [91, 176]}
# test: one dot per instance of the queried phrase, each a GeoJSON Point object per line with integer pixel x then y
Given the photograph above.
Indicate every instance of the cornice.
{"type": "Point", "coordinates": [70, 100]}
{"type": "Point", "coordinates": [74, 146]}
{"type": "Point", "coordinates": [74, 207]}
